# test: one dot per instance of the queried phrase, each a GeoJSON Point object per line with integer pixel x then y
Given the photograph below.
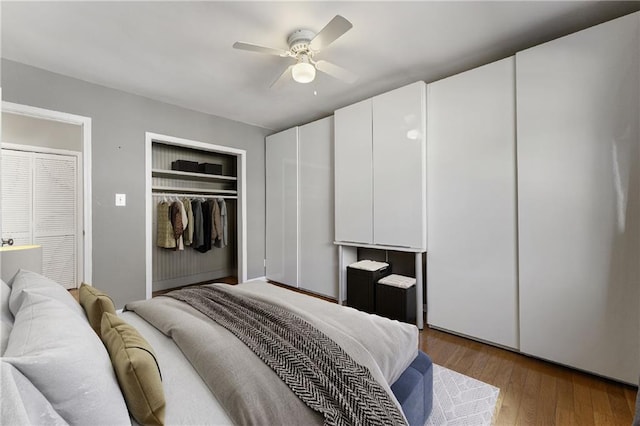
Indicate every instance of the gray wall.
{"type": "Point", "coordinates": [32, 131]}
{"type": "Point", "coordinates": [119, 123]}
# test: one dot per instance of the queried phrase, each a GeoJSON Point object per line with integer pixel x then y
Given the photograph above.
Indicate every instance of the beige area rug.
{"type": "Point", "coordinates": [461, 400]}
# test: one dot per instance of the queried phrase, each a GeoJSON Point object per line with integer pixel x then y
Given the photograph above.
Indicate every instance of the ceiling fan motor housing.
{"type": "Point", "coordinates": [299, 41]}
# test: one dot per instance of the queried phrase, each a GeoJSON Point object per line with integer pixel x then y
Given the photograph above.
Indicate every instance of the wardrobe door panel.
{"type": "Point", "coordinates": [281, 157]}
{"type": "Point", "coordinates": [472, 264]}
{"type": "Point", "coordinates": [399, 169]}
{"type": "Point", "coordinates": [353, 174]}
{"type": "Point", "coordinates": [579, 199]}
{"type": "Point", "coordinates": [318, 255]}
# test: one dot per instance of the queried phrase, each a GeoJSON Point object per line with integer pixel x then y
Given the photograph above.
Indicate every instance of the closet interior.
{"type": "Point", "coordinates": [206, 250]}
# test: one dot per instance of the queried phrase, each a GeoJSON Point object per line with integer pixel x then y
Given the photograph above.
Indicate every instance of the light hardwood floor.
{"type": "Point", "coordinates": [532, 391]}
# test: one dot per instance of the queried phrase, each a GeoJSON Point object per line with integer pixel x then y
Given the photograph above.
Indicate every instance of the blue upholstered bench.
{"type": "Point", "coordinates": [414, 390]}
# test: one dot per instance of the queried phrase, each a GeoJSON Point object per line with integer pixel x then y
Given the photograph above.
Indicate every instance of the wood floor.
{"type": "Point", "coordinates": [533, 392]}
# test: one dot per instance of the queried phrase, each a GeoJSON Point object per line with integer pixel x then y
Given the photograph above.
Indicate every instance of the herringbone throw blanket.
{"type": "Point", "coordinates": [316, 369]}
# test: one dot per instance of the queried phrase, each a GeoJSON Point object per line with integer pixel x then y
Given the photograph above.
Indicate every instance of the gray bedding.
{"type": "Point", "coordinates": [249, 391]}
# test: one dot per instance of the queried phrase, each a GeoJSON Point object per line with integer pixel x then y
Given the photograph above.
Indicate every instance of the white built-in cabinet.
{"type": "Point", "coordinates": [380, 170]}
{"type": "Point", "coordinates": [472, 283]}
{"type": "Point", "coordinates": [300, 225]}
{"type": "Point", "coordinates": [578, 103]}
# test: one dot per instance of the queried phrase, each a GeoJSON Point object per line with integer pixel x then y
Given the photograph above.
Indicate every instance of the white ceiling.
{"type": "Point", "coordinates": [180, 52]}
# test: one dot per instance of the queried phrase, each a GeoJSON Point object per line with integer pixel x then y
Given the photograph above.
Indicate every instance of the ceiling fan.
{"type": "Point", "coordinates": [303, 46]}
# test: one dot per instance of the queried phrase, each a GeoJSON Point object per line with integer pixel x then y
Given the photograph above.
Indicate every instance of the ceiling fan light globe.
{"type": "Point", "coordinates": [303, 72]}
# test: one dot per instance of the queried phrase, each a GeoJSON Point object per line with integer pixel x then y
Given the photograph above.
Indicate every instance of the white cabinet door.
{"type": "Point", "coordinates": [281, 157]}
{"type": "Point", "coordinates": [472, 261]}
{"type": "Point", "coordinates": [579, 199]}
{"type": "Point", "coordinates": [318, 259]}
{"type": "Point", "coordinates": [353, 174]}
{"type": "Point", "coordinates": [399, 170]}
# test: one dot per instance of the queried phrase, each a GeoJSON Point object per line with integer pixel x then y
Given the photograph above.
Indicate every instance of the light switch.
{"type": "Point", "coordinates": [121, 199]}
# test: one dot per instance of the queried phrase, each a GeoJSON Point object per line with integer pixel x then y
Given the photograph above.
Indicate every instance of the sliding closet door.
{"type": "Point", "coordinates": [318, 257]}
{"type": "Point", "coordinates": [579, 199]}
{"type": "Point", "coordinates": [472, 269]}
{"type": "Point", "coordinates": [281, 156]}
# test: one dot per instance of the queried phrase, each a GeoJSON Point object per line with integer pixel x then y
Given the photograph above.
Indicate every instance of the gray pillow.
{"type": "Point", "coordinates": [27, 281]}
{"type": "Point", "coordinates": [6, 319]}
{"type": "Point", "coordinates": [22, 402]}
{"type": "Point", "coordinates": [59, 353]}
{"type": "Point", "coordinates": [5, 332]}
{"type": "Point", "coordinates": [5, 292]}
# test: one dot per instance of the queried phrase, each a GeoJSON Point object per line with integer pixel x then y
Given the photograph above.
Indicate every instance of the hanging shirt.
{"type": "Point", "coordinates": [176, 221]}
{"type": "Point", "coordinates": [222, 239]}
{"type": "Point", "coordinates": [216, 225]}
{"type": "Point", "coordinates": [198, 231]}
{"type": "Point", "coordinates": [185, 224]}
{"type": "Point", "coordinates": [206, 228]}
{"type": "Point", "coordinates": [165, 237]}
{"type": "Point", "coordinates": [188, 232]}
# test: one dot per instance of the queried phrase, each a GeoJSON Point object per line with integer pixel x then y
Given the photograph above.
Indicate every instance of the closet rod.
{"type": "Point", "coordinates": [192, 195]}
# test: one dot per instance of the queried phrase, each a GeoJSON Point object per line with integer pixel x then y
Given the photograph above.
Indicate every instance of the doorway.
{"type": "Point", "coordinates": [46, 188]}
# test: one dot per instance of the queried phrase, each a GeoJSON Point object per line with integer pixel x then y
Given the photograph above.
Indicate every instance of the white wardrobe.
{"type": "Point", "coordinates": [534, 241]}
{"type": "Point", "coordinates": [300, 205]}
{"type": "Point", "coordinates": [472, 283]}
{"type": "Point", "coordinates": [380, 170]}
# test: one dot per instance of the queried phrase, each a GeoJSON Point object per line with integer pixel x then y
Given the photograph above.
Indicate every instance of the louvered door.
{"type": "Point", "coordinates": [55, 216]}
{"type": "Point", "coordinates": [40, 206]}
{"type": "Point", "coordinates": [17, 196]}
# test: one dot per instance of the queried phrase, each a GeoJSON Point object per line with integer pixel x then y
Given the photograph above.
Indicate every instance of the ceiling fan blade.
{"type": "Point", "coordinates": [336, 71]}
{"type": "Point", "coordinates": [285, 76]}
{"type": "Point", "coordinates": [334, 29]}
{"type": "Point", "coordinates": [260, 49]}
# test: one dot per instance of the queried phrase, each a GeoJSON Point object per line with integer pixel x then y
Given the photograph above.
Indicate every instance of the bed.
{"type": "Point", "coordinates": [56, 369]}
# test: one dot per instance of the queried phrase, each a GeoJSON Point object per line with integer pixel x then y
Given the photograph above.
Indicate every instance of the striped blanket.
{"type": "Point", "coordinates": [314, 367]}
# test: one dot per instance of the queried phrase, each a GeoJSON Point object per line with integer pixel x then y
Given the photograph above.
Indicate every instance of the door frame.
{"type": "Point", "coordinates": [84, 169]}
{"type": "Point", "coordinates": [241, 167]}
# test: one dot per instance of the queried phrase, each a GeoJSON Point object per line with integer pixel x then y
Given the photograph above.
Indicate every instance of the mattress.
{"type": "Point", "coordinates": [396, 359]}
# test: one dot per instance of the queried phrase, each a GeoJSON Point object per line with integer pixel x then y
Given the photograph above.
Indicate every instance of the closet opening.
{"type": "Point", "coordinates": [195, 211]}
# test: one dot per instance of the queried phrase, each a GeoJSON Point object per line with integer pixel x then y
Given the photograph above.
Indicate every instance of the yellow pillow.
{"type": "Point", "coordinates": [95, 303]}
{"type": "Point", "coordinates": [136, 368]}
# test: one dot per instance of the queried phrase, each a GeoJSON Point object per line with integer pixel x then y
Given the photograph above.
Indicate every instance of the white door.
{"type": "Point", "coordinates": [318, 258]}
{"type": "Point", "coordinates": [281, 157]}
{"type": "Point", "coordinates": [579, 198]}
{"type": "Point", "coordinates": [472, 262]}
{"type": "Point", "coordinates": [40, 206]}
{"type": "Point", "coordinates": [17, 197]}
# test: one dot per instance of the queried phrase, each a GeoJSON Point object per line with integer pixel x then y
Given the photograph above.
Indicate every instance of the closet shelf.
{"type": "Point", "coordinates": [194, 190]}
{"type": "Point", "coordinates": [177, 174]}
